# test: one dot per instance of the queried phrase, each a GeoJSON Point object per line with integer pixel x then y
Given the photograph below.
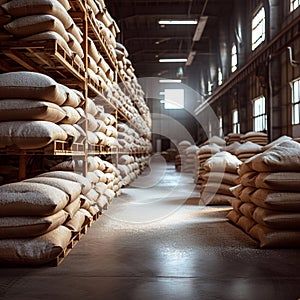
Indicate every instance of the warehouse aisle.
{"type": "Point", "coordinates": [156, 242]}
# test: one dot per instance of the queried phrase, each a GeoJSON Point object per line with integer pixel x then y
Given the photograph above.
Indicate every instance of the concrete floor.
{"type": "Point", "coordinates": [156, 242]}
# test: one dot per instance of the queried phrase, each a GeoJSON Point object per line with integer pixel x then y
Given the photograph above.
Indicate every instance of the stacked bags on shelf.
{"type": "Point", "coordinates": [38, 20]}
{"type": "Point", "coordinates": [126, 108]}
{"type": "Point", "coordinates": [129, 140]}
{"type": "Point", "coordinates": [268, 205]}
{"type": "Point", "coordinates": [220, 175]}
{"type": "Point", "coordinates": [101, 125]}
{"type": "Point", "coordinates": [129, 169]}
{"type": "Point", "coordinates": [104, 177]}
{"type": "Point", "coordinates": [36, 110]}
{"type": "Point", "coordinates": [39, 216]}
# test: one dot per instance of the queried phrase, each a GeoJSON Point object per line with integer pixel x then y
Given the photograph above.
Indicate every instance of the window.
{"type": "Point", "coordinates": [220, 76]}
{"type": "Point", "coordinates": [258, 28]}
{"type": "Point", "coordinates": [295, 85]}
{"type": "Point", "coordinates": [233, 58]}
{"type": "Point", "coordinates": [220, 126]}
{"type": "Point", "coordinates": [259, 114]}
{"type": "Point", "coordinates": [235, 121]}
{"type": "Point", "coordinates": [209, 87]}
{"type": "Point", "coordinates": [294, 4]}
{"type": "Point", "coordinates": [174, 98]}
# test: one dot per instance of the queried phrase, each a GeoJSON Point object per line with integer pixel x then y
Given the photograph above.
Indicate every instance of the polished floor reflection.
{"type": "Point", "coordinates": [157, 242]}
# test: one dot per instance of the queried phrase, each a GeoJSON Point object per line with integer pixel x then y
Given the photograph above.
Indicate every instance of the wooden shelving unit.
{"type": "Point", "coordinates": [50, 58]}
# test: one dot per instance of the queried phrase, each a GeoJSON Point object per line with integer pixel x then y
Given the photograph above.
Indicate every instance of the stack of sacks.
{"type": "Point", "coordinates": [270, 186]}
{"type": "Point", "coordinates": [127, 138]}
{"type": "Point", "coordinates": [233, 137]}
{"type": "Point", "coordinates": [221, 175]}
{"type": "Point", "coordinates": [37, 20]}
{"type": "Point", "coordinates": [139, 100]}
{"type": "Point", "coordinates": [189, 159]}
{"type": "Point", "coordinates": [4, 19]}
{"type": "Point", "coordinates": [39, 216]}
{"type": "Point", "coordinates": [247, 150]}
{"type": "Point", "coordinates": [182, 146]}
{"type": "Point", "coordinates": [123, 62]}
{"type": "Point", "coordinates": [105, 127]}
{"type": "Point", "coordinates": [129, 169]}
{"type": "Point", "coordinates": [105, 23]}
{"type": "Point", "coordinates": [204, 153]}
{"type": "Point", "coordinates": [125, 106]}
{"type": "Point", "coordinates": [35, 110]}
{"type": "Point", "coordinates": [104, 178]}
{"type": "Point", "coordinates": [259, 138]}
{"type": "Point", "coordinates": [100, 73]}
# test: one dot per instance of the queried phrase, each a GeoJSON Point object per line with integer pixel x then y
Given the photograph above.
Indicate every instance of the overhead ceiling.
{"type": "Point", "coordinates": [147, 41]}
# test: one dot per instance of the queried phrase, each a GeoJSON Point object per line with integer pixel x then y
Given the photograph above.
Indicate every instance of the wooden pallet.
{"type": "Point", "coordinates": [74, 240]}
{"type": "Point", "coordinates": [47, 57]}
{"type": "Point", "coordinates": [55, 148]}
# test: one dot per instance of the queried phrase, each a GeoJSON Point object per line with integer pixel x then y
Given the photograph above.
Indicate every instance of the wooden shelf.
{"type": "Point", "coordinates": [55, 148]}
{"type": "Point", "coordinates": [46, 57]}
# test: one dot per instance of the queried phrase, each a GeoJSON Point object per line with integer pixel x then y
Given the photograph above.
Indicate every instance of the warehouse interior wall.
{"type": "Point", "coordinates": [269, 72]}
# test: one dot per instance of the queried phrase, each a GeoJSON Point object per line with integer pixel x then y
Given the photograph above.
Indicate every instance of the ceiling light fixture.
{"type": "Point", "coordinates": [170, 81]}
{"type": "Point", "coordinates": [200, 28]}
{"type": "Point", "coordinates": [177, 22]}
{"type": "Point", "coordinates": [172, 60]}
{"type": "Point", "coordinates": [190, 58]}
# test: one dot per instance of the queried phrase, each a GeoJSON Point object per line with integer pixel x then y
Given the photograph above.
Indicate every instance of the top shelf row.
{"type": "Point", "coordinates": [73, 42]}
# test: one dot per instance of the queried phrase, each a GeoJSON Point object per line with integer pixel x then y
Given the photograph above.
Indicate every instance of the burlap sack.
{"type": "Point", "coordinates": [28, 226]}
{"type": "Point", "coordinates": [26, 109]}
{"type": "Point", "coordinates": [35, 251]}
{"type": "Point", "coordinates": [282, 157]}
{"type": "Point", "coordinates": [279, 181]}
{"type": "Point", "coordinates": [30, 25]}
{"type": "Point", "coordinates": [31, 85]}
{"type": "Point", "coordinates": [247, 209]}
{"type": "Point", "coordinates": [18, 9]}
{"type": "Point", "coordinates": [275, 238]}
{"type": "Point", "coordinates": [277, 219]}
{"type": "Point", "coordinates": [31, 199]}
{"type": "Point", "coordinates": [222, 162]}
{"type": "Point", "coordinates": [282, 201]}
{"type": "Point", "coordinates": [72, 176]}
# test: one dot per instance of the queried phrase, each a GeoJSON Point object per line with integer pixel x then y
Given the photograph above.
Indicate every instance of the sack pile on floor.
{"type": "Point", "coordinates": [259, 138]}
{"type": "Point", "coordinates": [220, 175]}
{"type": "Point", "coordinates": [39, 216]}
{"type": "Point", "coordinates": [188, 159]}
{"type": "Point", "coordinates": [204, 153]}
{"type": "Point", "coordinates": [181, 147]}
{"type": "Point", "coordinates": [267, 204]}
